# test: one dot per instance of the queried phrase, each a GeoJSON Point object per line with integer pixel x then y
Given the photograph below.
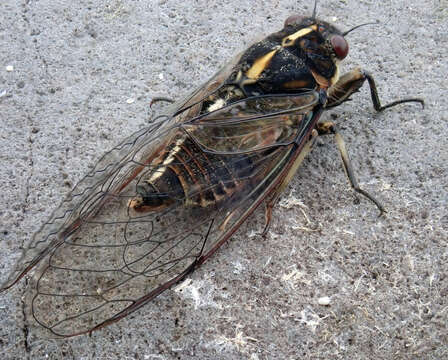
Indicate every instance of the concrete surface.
{"type": "Point", "coordinates": [82, 76]}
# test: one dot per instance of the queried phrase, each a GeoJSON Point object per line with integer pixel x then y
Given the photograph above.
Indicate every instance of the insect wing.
{"type": "Point", "coordinates": [97, 260]}
{"type": "Point", "coordinates": [106, 262]}
{"type": "Point", "coordinates": [108, 172]}
{"type": "Point", "coordinates": [253, 124]}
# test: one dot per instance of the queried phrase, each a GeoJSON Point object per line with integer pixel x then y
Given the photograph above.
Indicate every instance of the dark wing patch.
{"type": "Point", "coordinates": [253, 124]}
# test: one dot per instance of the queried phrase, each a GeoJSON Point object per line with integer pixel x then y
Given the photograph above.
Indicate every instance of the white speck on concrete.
{"type": "Point", "coordinates": [324, 300]}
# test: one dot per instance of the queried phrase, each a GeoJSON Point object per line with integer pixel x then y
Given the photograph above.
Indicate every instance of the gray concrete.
{"type": "Point", "coordinates": [75, 65]}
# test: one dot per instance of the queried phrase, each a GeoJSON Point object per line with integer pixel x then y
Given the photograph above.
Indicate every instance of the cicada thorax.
{"type": "Point", "coordinates": [298, 58]}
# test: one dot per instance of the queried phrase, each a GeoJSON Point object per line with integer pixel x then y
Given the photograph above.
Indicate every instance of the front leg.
{"type": "Point", "coordinates": [351, 82]}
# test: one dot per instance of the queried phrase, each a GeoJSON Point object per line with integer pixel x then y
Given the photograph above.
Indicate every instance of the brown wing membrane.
{"type": "Point", "coordinates": [97, 259]}
{"type": "Point", "coordinates": [105, 260]}
{"type": "Point", "coordinates": [253, 124]}
{"type": "Point", "coordinates": [110, 172]}
{"type": "Point", "coordinates": [107, 268]}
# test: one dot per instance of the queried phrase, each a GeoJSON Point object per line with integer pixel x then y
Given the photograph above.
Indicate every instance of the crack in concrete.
{"type": "Point", "coordinates": [25, 207]}
{"type": "Point", "coordinates": [32, 32]}
{"type": "Point", "coordinates": [31, 172]}
{"type": "Point", "coordinates": [25, 328]}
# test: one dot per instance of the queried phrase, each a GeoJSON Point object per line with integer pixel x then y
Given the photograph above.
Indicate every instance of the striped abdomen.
{"type": "Point", "coordinates": [184, 172]}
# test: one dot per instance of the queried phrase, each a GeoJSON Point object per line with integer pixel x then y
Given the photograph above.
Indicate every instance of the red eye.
{"type": "Point", "coordinates": [340, 46]}
{"type": "Point", "coordinates": [293, 19]}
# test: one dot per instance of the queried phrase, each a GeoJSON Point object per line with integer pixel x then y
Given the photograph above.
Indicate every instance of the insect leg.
{"type": "Point", "coordinates": [330, 128]}
{"type": "Point", "coordinates": [224, 223]}
{"type": "Point", "coordinates": [270, 203]}
{"type": "Point", "coordinates": [351, 82]}
{"type": "Point", "coordinates": [273, 198]}
{"type": "Point", "coordinates": [156, 99]}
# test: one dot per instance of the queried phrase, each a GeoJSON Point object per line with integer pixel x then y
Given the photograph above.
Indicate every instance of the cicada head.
{"type": "Point", "coordinates": [317, 34]}
{"type": "Point", "coordinates": [320, 44]}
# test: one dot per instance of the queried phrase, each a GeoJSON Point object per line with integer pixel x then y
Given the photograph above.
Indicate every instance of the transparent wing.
{"type": "Point", "coordinates": [253, 124]}
{"type": "Point", "coordinates": [107, 261]}
{"type": "Point", "coordinates": [97, 260]}
{"type": "Point", "coordinates": [111, 173]}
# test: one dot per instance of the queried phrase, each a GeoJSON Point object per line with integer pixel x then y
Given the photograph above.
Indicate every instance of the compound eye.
{"type": "Point", "coordinates": [340, 46]}
{"type": "Point", "coordinates": [293, 19]}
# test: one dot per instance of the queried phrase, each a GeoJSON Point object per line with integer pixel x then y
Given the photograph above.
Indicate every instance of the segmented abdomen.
{"type": "Point", "coordinates": [184, 172]}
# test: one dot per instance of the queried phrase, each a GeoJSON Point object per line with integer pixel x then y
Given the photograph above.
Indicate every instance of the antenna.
{"type": "Point", "coordinates": [314, 10]}
{"type": "Point", "coordinates": [358, 26]}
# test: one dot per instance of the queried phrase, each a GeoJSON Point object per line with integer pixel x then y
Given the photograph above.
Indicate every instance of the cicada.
{"type": "Point", "coordinates": [160, 203]}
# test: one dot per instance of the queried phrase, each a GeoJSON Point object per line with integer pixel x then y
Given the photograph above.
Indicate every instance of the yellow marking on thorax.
{"type": "Point", "coordinates": [260, 64]}
{"type": "Point", "coordinates": [291, 39]}
{"type": "Point", "coordinates": [263, 62]}
{"type": "Point", "coordinates": [335, 77]}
